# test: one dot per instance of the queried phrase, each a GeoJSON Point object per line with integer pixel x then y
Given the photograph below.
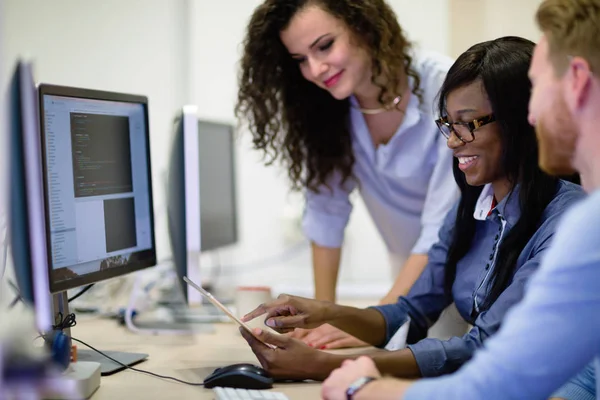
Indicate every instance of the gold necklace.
{"type": "Point", "coordinates": [371, 111]}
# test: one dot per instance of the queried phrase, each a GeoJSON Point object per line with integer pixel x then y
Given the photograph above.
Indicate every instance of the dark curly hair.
{"type": "Point", "coordinates": [293, 120]}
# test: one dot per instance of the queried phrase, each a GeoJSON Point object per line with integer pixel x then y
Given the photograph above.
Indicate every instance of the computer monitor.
{"type": "Point", "coordinates": [97, 191]}
{"type": "Point", "coordinates": [27, 232]}
{"type": "Point", "coordinates": [202, 213]}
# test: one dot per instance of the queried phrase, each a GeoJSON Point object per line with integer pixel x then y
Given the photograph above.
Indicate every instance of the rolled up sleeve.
{"type": "Point", "coordinates": [427, 297]}
{"type": "Point", "coordinates": [327, 212]}
{"type": "Point", "coordinates": [442, 194]}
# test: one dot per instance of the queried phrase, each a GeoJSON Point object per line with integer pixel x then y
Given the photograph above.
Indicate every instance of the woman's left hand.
{"type": "Point", "coordinates": [292, 359]}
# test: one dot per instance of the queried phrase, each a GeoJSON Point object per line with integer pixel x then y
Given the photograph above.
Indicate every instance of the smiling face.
{"type": "Point", "coordinates": [326, 53]}
{"type": "Point", "coordinates": [481, 159]}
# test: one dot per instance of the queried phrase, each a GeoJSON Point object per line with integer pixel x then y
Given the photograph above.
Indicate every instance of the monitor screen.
{"type": "Point", "coordinates": [218, 215]}
{"type": "Point", "coordinates": [97, 182]}
{"type": "Point", "coordinates": [201, 196]}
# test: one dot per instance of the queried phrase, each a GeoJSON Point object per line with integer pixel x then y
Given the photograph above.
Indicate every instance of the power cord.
{"type": "Point", "coordinates": [85, 289]}
{"type": "Point", "coordinates": [137, 369]}
{"type": "Point", "coordinates": [69, 322]}
{"type": "Point", "coordinates": [17, 297]}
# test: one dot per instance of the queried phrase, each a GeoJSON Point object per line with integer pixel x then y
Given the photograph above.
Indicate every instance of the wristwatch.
{"type": "Point", "coordinates": [357, 385]}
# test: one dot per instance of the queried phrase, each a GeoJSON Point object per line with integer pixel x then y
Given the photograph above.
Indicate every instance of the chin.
{"type": "Point", "coordinates": [474, 181]}
{"type": "Point", "coordinates": [557, 169]}
{"type": "Point", "coordinates": [340, 91]}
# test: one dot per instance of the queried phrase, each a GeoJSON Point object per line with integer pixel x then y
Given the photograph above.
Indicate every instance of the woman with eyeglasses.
{"type": "Point", "coordinates": [489, 245]}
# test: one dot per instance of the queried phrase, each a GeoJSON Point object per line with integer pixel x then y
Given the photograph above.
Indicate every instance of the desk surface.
{"type": "Point", "coordinates": [190, 358]}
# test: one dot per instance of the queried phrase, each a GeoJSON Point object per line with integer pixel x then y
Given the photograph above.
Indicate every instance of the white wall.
{"type": "Point", "coordinates": [134, 46]}
{"type": "Point", "coordinates": [474, 21]}
{"type": "Point", "coordinates": [186, 51]}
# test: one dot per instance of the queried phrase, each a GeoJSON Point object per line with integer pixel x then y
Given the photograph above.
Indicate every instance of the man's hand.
{"type": "Point", "coordinates": [335, 387]}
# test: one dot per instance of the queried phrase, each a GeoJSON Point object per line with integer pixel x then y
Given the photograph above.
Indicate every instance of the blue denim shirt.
{"type": "Point", "coordinates": [550, 335]}
{"type": "Point", "coordinates": [427, 298]}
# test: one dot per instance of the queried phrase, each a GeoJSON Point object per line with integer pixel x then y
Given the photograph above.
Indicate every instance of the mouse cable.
{"type": "Point", "coordinates": [137, 369]}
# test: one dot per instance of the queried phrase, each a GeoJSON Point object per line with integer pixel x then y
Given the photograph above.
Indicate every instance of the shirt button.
{"type": "Point", "coordinates": [491, 257]}
{"type": "Point", "coordinates": [487, 267]}
{"type": "Point", "coordinates": [497, 237]}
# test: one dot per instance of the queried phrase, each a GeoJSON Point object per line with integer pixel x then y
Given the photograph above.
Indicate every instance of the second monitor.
{"type": "Point", "coordinates": [202, 211]}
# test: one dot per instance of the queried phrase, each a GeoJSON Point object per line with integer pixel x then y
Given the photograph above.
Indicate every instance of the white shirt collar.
{"type": "Point", "coordinates": [484, 203]}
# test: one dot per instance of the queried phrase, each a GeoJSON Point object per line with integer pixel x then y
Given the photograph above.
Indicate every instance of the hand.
{"type": "Point", "coordinates": [292, 359]}
{"type": "Point", "coordinates": [327, 337]}
{"type": "Point", "coordinates": [334, 387]}
{"type": "Point", "coordinates": [289, 312]}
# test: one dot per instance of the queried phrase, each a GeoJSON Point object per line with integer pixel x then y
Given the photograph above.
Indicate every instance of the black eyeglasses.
{"type": "Point", "coordinates": [463, 130]}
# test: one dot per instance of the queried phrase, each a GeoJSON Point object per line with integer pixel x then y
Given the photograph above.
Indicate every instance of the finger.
{"type": "Point", "coordinates": [345, 342]}
{"type": "Point", "coordinates": [257, 347]}
{"type": "Point", "coordinates": [347, 362]}
{"type": "Point", "coordinates": [287, 323]}
{"type": "Point", "coordinates": [258, 311]}
{"type": "Point", "coordinates": [271, 307]}
{"type": "Point", "coordinates": [299, 333]}
{"type": "Point", "coordinates": [326, 338]}
{"type": "Point", "coordinates": [281, 341]}
{"type": "Point", "coordinates": [252, 339]}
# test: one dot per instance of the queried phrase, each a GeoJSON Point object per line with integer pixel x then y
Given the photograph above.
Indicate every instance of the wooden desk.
{"type": "Point", "coordinates": [190, 358]}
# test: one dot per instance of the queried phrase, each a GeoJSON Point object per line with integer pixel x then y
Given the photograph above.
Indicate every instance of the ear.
{"type": "Point", "coordinates": [578, 81]}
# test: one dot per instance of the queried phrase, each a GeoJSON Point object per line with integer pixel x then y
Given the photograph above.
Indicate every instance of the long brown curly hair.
{"type": "Point", "coordinates": [292, 119]}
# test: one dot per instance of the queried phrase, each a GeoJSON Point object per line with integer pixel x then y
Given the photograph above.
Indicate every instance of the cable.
{"type": "Point", "coordinates": [4, 228]}
{"type": "Point", "coordinates": [85, 289]}
{"type": "Point", "coordinates": [137, 369]}
{"type": "Point", "coordinates": [17, 297]}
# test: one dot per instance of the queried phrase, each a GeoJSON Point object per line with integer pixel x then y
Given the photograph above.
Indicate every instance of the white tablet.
{"type": "Point", "coordinates": [221, 307]}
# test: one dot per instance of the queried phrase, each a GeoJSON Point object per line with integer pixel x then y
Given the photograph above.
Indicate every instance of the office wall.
{"type": "Point", "coordinates": [136, 46]}
{"type": "Point", "coordinates": [186, 51]}
{"type": "Point", "coordinates": [478, 20]}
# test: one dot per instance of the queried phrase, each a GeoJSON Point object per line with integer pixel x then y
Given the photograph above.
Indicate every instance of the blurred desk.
{"type": "Point", "coordinates": [190, 358]}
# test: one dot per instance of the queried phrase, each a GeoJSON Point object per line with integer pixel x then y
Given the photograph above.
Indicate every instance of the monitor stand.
{"type": "Point", "coordinates": [80, 380]}
{"type": "Point", "coordinates": [107, 366]}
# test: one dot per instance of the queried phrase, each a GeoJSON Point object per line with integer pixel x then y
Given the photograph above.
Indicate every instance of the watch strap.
{"type": "Point", "coordinates": [357, 385]}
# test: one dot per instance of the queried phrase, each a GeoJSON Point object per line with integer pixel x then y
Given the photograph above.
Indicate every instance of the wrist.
{"type": "Point", "coordinates": [356, 388]}
{"type": "Point", "coordinates": [324, 364]}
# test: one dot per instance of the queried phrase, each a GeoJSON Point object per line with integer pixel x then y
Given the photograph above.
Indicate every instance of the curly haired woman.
{"type": "Point", "coordinates": [334, 91]}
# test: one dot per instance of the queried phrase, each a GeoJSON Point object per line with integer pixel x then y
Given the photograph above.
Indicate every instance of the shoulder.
{"type": "Point", "coordinates": [584, 215]}
{"type": "Point", "coordinates": [566, 196]}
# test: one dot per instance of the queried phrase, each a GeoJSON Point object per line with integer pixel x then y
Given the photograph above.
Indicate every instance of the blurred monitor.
{"type": "Point", "coordinates": [202, 214]}
{"type": "Point", "coordinates": [27, 225]}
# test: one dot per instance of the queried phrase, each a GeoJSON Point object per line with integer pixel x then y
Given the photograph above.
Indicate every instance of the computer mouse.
{"type": "Point", "coordinates": [244, 376]}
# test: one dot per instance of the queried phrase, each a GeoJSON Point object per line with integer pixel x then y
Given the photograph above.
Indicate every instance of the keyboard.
{"type": "Point", "coordinates": [246, 394]}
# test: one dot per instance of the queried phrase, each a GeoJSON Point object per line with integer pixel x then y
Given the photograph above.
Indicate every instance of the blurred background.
{"type": "Point", "coordinates": [186, 52]}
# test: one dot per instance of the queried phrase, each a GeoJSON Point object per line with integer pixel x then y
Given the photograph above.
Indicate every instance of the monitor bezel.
{"type": "Point", "coordinates": [148, 257]}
